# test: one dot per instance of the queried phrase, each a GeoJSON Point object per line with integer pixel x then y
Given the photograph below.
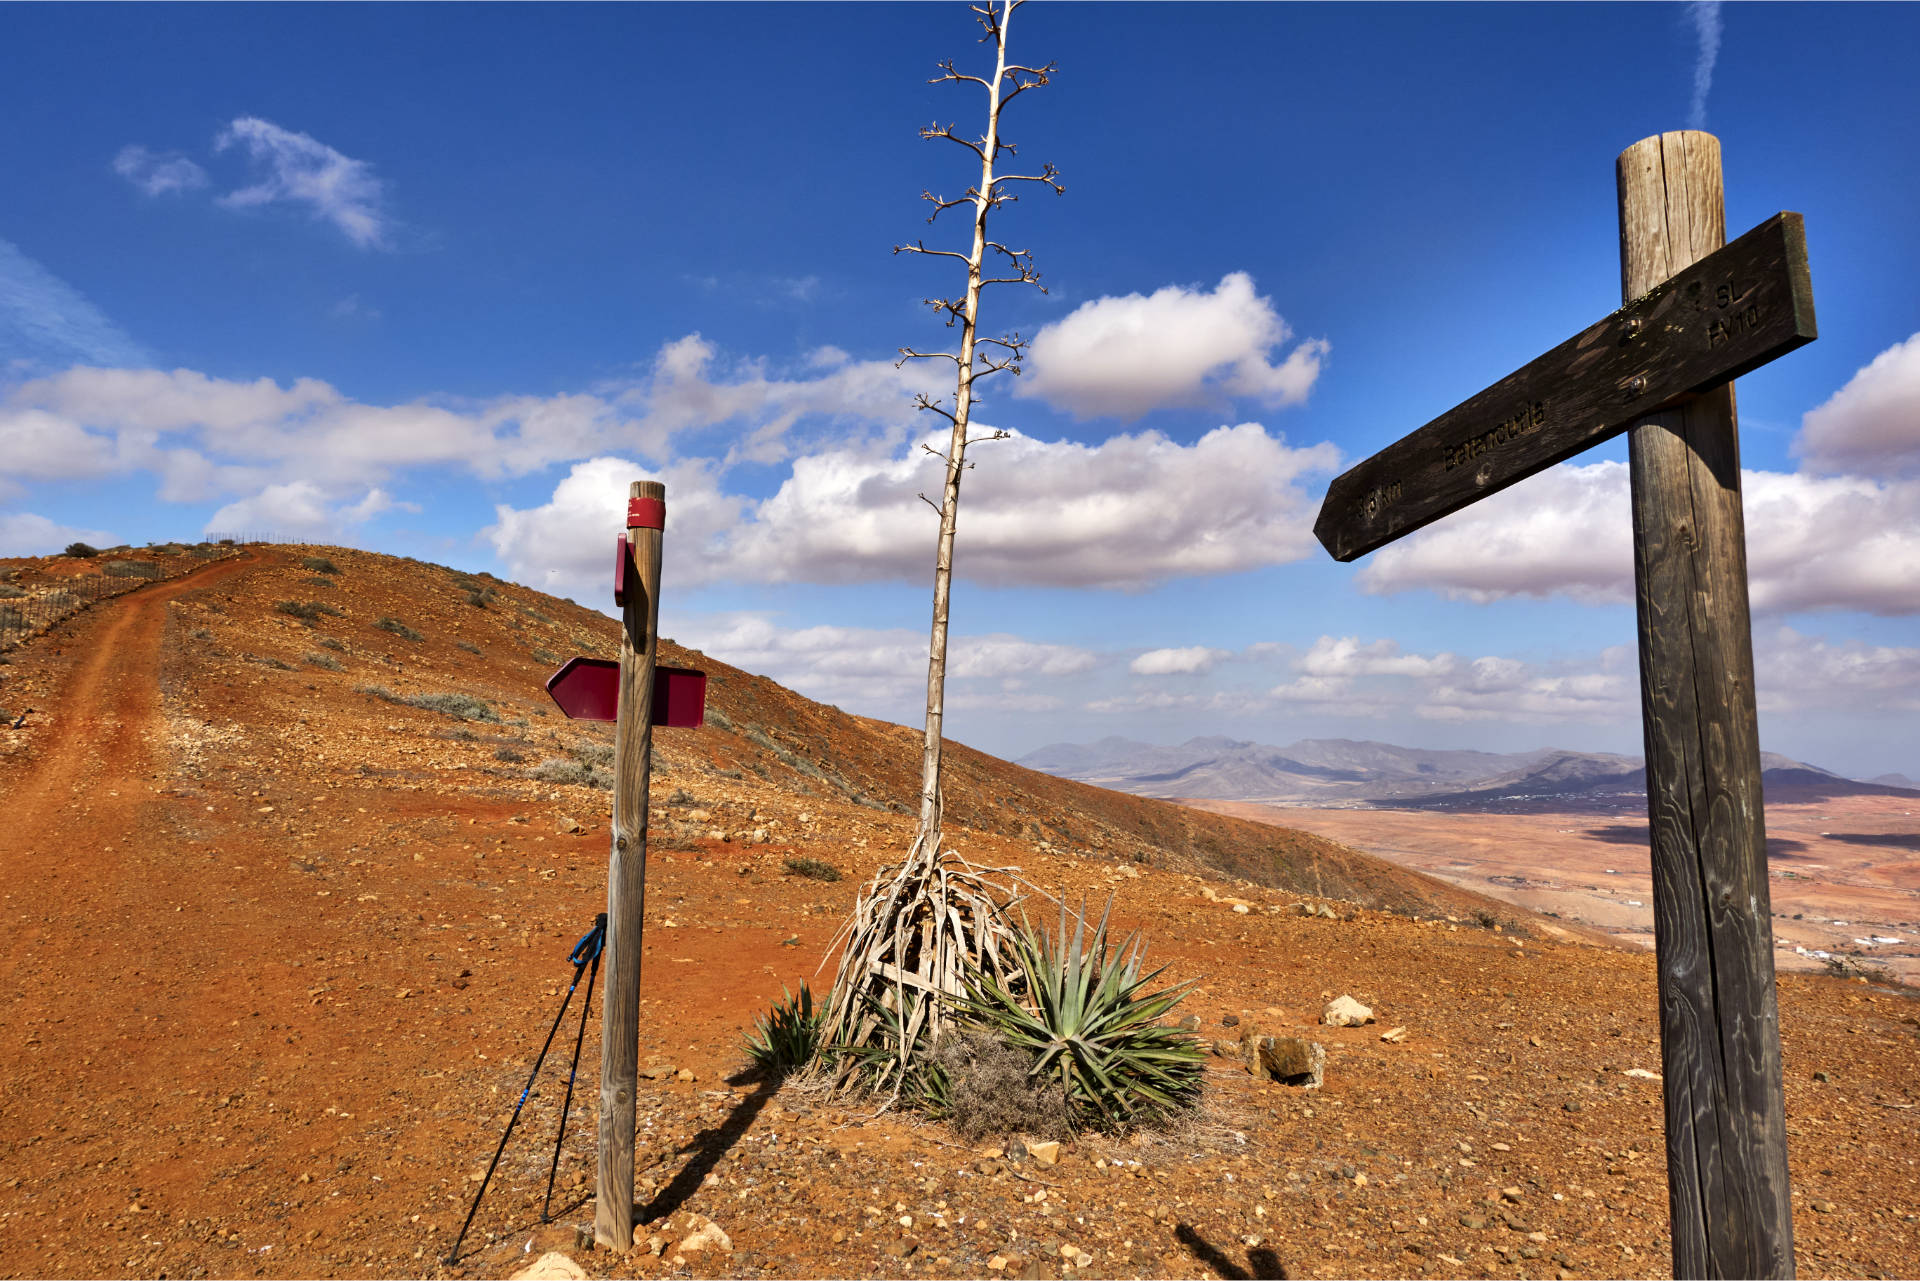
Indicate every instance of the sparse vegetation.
{"type": "Point", "coordinates": [81, 551]}
{"type": "Point", "coordinates": [307, 611]}
{"type": "Point", "coordinates": [326, 662]}
{"type": "Point", "coordinates": [200, 634]}
{"type": "Point", "coordinates": [812, 868]}
{"type": "Point", "coordinates": [468, 647]}
{"type": "Point", "coordinates": [510, 755]}
{"type": "Point", "coordinates": [318, 581]}
{"type": "Point", "coordinates": [276, 664]}
{"type": "Point", "coordinates": [9, 592]}
{"type": "Point", "coordinates": [320, 565]}
{"type": "Point", "coordinates": [787, 1036]}
{"type": "Point", "coordinates": [130, 569]}
{"type": "Point", "coordinates": [477, 599]}
{"type": "Point", "coordinates": [464, 706]}
{"type": "Point", "coordinates": [984, 1087]}
{"type": "Point", "coordinates": [332, 643]}
{"type": "Point", "coordinates": [557, 769]}
{"type": "Point", "coordinates": [398, 628]}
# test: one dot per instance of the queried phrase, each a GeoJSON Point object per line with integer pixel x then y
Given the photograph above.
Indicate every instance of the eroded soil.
{"type": "Point", "coordinates": [279, 953]}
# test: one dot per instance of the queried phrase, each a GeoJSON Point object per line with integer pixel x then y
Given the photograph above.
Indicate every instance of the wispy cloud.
{"type": "Point", "coordinates": [45, 321]}
{"type": "Point", "coordinates": [156, 173]}
{"type": "Point", "coordinates": [1706, 26]}
{"type": "Point", "coordinates": [31, 534]}
{"type": "Point", "coordinates": [302, 170]}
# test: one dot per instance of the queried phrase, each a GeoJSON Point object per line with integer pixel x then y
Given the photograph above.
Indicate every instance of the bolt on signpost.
{"type": "Point", "coordinates": [636, 695]}
{"type": "Point", "coordinates": [1697, 315]}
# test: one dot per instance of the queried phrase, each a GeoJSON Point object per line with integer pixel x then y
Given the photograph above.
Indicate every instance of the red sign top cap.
{"type": "Point", "coordinates": [646, 513]}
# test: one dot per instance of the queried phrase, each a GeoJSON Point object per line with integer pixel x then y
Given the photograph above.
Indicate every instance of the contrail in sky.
{"type": "Point", "coordinates": [1706, 24]}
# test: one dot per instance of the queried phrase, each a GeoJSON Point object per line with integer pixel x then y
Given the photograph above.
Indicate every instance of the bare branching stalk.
{"type": "Point", "coordinates": [978, 357]}
{"type": "Point", "coordinates": [923, 922]}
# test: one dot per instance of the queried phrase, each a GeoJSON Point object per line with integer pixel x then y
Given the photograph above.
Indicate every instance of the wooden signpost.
{"type": "Point", "coordinates": [587, 689]}
{"type": "Point", "coordinates": [1696, 316]}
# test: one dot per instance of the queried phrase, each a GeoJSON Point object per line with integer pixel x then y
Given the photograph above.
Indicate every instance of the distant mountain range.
{"type": "Point", "coordinates": [1346, 771]}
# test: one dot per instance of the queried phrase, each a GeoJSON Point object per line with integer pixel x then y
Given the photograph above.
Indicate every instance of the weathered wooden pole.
{"type": "Point", "coordinates": [627, 866]}
{"type": "Point", "coordinates": [1719, 1021]}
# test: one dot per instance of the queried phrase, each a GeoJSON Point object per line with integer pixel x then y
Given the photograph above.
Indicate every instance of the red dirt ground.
{"type": "Point", "coordinates": [280, 953]}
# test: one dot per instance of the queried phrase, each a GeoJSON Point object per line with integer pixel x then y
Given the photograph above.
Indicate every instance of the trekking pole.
{"type": "Point", "coordinates": [597, 941]}
{"type": "Point", "coordinates": [594, 935]}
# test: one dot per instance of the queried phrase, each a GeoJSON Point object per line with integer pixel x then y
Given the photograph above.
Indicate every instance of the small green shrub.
{"type": "Point", "coordinates": [130, 569]}
{"type": "Point", "coordinates": [787, 1036]}
{"type": "Point", "coordinates": [274, 663]}
{"type": "Point", "coordinates": [81, 551]}
{"type": "Point", "coordinates": [477, 599]}
{"type": "Point", "coordinates": [318, 581]}
{"type": "Point", "coordinates": [812, 868]}
{"type": "Point", "coordinates": [326, 662]}
{"type": "Point", "coordinates": [545, 656]}
{"type": "Point", "coordinates": [9, 592]}
{"type": "Point", "coordinates": [320, 565]}
{"type": "Point", "coordinates": [467, 646]}
{"type": "Point", "coordinates": [200, 634]}
{"type": "Point", "coordinates": [332, 643]}
{"type": "Point", "coordinates": [508, 754]}
{"type": "Point", "coordinates": [462, 735]}
{"type": "Point", "coordinates": [399, 629]}
{"type": "Point", "coordinates": [1090, 1025]}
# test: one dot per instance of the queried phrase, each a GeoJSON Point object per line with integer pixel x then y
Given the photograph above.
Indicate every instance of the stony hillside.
{"type": "Point", "coordinates": [296, 849]}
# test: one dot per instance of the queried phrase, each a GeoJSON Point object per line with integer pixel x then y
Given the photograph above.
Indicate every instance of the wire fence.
{"type": "Point", "coordinates": [27, 612]}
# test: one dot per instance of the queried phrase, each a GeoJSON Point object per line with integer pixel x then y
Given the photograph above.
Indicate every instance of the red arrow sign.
{"type": "Point", "coordinates": [588, 689]}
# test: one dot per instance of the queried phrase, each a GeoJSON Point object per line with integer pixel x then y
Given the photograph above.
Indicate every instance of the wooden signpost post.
{"type": "Point", "coordinates": [1696, 316]}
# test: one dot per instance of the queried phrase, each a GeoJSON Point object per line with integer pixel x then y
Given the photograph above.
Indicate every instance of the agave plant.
{"type": "Point", "coordinates": [786, 1036]}
{"type": "Point", "coordinates": [1084, 1013]}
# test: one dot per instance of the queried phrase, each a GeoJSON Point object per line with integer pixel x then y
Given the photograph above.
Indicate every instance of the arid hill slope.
{"type": "Point", "coordinates": [280, 949]}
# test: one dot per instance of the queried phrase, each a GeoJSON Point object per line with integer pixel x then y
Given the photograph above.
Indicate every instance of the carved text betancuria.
{"type": "Point", "coordinates": [1527, 420]}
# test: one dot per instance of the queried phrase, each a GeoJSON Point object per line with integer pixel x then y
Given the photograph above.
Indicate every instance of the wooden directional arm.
{"type": "Point", "coordinates": [1732, 311]}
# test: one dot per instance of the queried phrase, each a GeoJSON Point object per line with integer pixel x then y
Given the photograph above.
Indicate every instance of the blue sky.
{"type": "Point", "coordinates": [438, 280]}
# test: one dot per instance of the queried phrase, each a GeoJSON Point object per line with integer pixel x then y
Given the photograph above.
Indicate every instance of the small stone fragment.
{"type": "Point", "coordinates": [551, 1266]}
{"type": "Point", "coordinates": [1394, 1035]}
{"type": "Point", "coordinates": [566, 826]}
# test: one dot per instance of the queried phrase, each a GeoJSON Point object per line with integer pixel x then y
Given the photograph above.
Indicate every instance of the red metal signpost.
{"type": "Point", "coordinates": [588, 689]}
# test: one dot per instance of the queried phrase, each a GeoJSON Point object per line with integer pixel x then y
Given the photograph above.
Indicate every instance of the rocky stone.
{"type": "Point", "coordinates": [1344, 1011]}
{"type": "Point", "coordinates": [551, 1266]}
{"type": "Point", "coordinates": [706, 1235]}
{"type": "Point", "coordinates": [1286, 1059]}
{"type": "Point", "coordinates": [1191, 1023]}
{"type": "Point", "coordinates": [1820, 1207]}
{"type": "Point", "coordinates": [761, 836]}
{"type": "Point", "coordinates": [566, 827]}
{"type": "Point", "coordinates": [699, 816]}
{"type": "Point", "coordinates": [1394, 1035]}
{"type": "Point", "coordinates": [1047, 1153]}
{"type": "Point", "coordinates": [1229, 1020]}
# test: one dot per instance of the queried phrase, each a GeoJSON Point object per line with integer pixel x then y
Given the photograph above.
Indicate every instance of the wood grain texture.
{"type": "Point", "coordinates": [1725, 1112]}
{"type": "Point", "coordinates": [1718, 318]}
{"type": "Point", "coordinates": [627, 885]}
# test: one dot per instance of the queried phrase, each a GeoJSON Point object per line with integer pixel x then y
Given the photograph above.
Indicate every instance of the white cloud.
{"type": "Point", "coordinates": [565, 545]}
{"type": "Point", "coordinates": [1347, 656]}
{"type": "Point", "coordinates": [1178, 347]}
{"type": "Point", "coordinates": [1130, 511]}
{"type": "Point", "coordinates": [886, 668]}
{"type": "Point", "coordinates": [45, 321]}
{"type": "Point", "coordinates": [298, 509]}
{"type": "Point", "coordinates": [301, 170]}
{"type": "Point", "coordinates": [1799, 673]}
{"type": "Point", "coordinates": [1706, 28]}
{"type": "Point", "coordinates": [1187, 660]}
{"type": "Point", "coordinates": [35, 445]}
{"type": "Point", "coordinates": [1871, 426]}
{"type": "Point", "coordinates": [156, 173]}
{"type": "Point", "coordinates": [1813, 542]}
{"type": "Point", "coordinates": [1567, 531]}
{"type": "Point", "coordinates": [29, 534]}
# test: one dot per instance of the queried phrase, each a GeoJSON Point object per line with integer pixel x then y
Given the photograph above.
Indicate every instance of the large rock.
{"type": "Point", "coordinates": [1344, 1011]}
{"type": "Point", "coordinates": [1286, 1059]}
{"type": "Point", "coordinates": [551, 1266]}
